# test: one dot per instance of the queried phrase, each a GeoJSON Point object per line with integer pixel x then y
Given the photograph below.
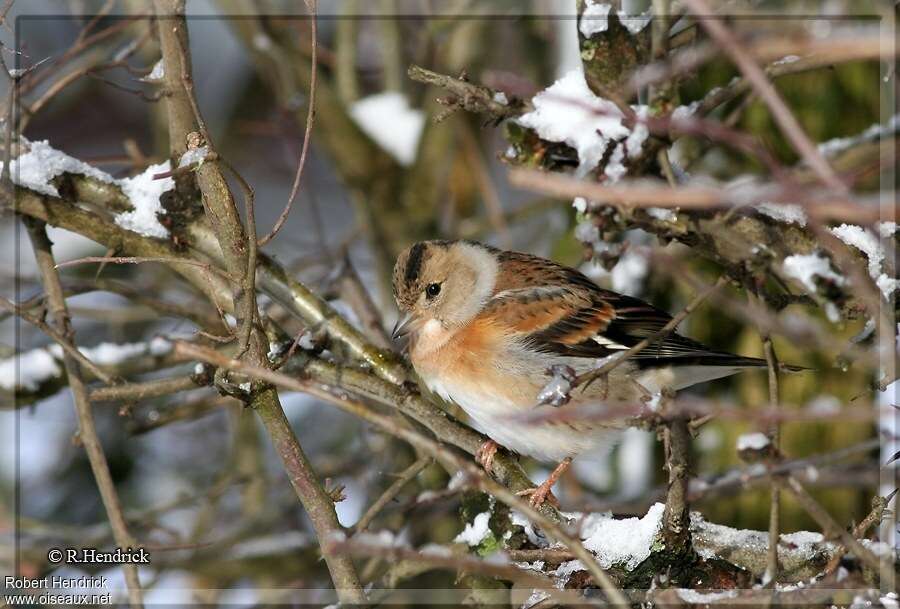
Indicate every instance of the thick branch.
{"type": "Point", "coordinates": [241, 262]}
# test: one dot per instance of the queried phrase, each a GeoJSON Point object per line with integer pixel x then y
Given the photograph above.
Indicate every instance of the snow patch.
{"type": "Point", "coordinates": [39, 365]}
{"type": "Point", "coordinates": [625, 542]}
{"type": "Point", "coordinates": [475, 531]}
{"type": "Point", "coordinates": [569, 112]}
{"type": "Point", "coordinates": [866, 242]}
{"type": "Point", "coordinates": [565, 571]}
{"type": "Point", "coordinates": [388, 119]}
{"type": "Point", "coordinates": [537, 596]}
{"type": "Point", "coordinates": [378, 539]}
{"type": "Point", "coordinates": [42, 163]}
{"type": "Point", "coordinates": [634, 23]}
{"type": "Point", "coordinates": [594, 19]}
{"type": "Point", "coordinates": [786, 60]}
{"type": "Point", "coordinates": [437, 550]}
{"type": "Point", "coordinates": [35, 367]}
{"type": "Point", "coordinates": [661, 213]}
{"type": "Point", "coordinates": [789, 213]}
{"type": "Point", "coordinates": [194, 155]}
{"type": "Point", "coordinates": [752, 441]}
{"type": "Point", "coordinates": [699, 598]}
{"type": "Point", "coordinates": [157, 73]}
{"type": "Point", "coordinates": [887, 229]}
{"type": "Point", "coordinates": [535, 537]}
{"type": "Point", "coordinates": [144, 193]}
{"type": "Point", "coordinates": [685, 112]}
{"type": "Point", "coordinates": [160, 346]}
{"type": "Point", "coordinates": [805, 267]}
{"type": "Point", "coordinates": [873, 133]}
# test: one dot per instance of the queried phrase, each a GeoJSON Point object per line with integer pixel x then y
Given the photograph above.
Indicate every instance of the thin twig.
{"type": "Point", "coordinates": [588, 377]}
{"type": "Point", "coordinates": [468, 95]}
{"type": "Point", "coordinates": [354, 293]}
{"type": "Point", "coordinates": [872, 519]}
{"type": "Point", "coordinates": [60, 339]}
{"type": "Point", "coordinates": [310, 118]}
{"type": "Point", "coordinates": [774, 435]}
{"type": "Point", "coordinates": [404, 478]}
{"type": "Point", "coordinates": [133, 392]}
{"type": "Point", "coordinates": [144, 259]}
{"type": "Point", "coordinates": [828, 524]}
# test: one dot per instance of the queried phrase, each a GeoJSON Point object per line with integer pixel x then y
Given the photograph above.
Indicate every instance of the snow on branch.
{"type": "Point", "coordinates": [41, 164]}
{"type": "Point", "coordinates": [29, 371]}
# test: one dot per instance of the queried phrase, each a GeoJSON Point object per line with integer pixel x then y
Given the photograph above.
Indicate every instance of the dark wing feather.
{"type": "Point", "coordinates": [560, 311]}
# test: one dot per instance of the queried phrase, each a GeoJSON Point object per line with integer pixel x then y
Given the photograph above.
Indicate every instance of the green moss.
{"type": "Point", "coordinates": [489, 545]}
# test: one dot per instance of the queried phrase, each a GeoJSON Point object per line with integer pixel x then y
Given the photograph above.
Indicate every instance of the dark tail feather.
{"type": "Point", "coordinates": [718, 358]}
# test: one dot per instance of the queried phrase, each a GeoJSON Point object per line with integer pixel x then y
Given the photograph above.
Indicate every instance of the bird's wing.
{"type": "Point", "coordinates": [562, 312]}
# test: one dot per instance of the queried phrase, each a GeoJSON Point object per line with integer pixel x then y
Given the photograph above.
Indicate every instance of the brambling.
{"type": "Point", "coordinates": [486, 325]}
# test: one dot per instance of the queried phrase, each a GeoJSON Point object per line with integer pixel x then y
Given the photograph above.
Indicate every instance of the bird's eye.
{"type": "Point", "coordinates": [433, 290]}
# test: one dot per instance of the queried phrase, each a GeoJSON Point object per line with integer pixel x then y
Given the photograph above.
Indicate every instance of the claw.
{"type": "Point", "coordinates": [484, 456]}
{"type": "Point", "coordinates": [540, 495]}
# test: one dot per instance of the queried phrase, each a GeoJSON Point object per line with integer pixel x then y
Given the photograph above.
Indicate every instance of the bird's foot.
{"type": "Point", "coordinates": [484, 456]}
{"type": "Point", "coordinates": [542, 493]}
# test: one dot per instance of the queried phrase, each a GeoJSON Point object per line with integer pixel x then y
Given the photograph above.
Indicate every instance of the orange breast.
{"type": "Point", "coordinates": [470, 363]}
{"type": "Point", "coordinates": [460, 350]}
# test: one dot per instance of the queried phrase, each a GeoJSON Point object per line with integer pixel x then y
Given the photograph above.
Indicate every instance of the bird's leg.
{"type": "Point", "coordinates": [542, 493]}
{"type": "Point", "coordinates": [484, 456]}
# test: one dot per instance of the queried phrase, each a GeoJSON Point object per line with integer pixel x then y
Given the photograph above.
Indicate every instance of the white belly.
{"type": "Point", "coordinates": [498, 419]}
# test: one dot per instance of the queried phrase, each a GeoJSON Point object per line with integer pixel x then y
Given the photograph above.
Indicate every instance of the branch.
{"type": "Point", "coordinates": [828, 524]}
{"type": "Point", "coordinates": [315, 499]}
{"type": "Point", "coordinates": [307, 131]}
{"type": "Point", "coordinates": [133, 392]}
{"type": "Point", "coordinates": [821, 205]}
{"type": "Point", "coordinates": [671, 325]}
{"type": "Point", "coordinates": [676, 517]}
{"type": "Point", "coordinates": [238, 251]}
{"type": "Point", "coordinates": [780, 112]}
{"type": "Point", "coordinates": [774, 435]}
{"type": "Point", "coordinates": [468, 96]}
{"type": "Point", "coordinates": [403, 478]}
{"type": "Point", "coordinates": [506, 468]}
{"type": "Point", "coordinates": [61, 339]}
{"type": "Point", "coordinates": [86, 429]}
{"type": "Point", "coordinates": [448, 458]}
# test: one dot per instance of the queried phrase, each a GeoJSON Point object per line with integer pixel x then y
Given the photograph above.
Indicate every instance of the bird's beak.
{"type": "Point", "coordinates": [402, 326]}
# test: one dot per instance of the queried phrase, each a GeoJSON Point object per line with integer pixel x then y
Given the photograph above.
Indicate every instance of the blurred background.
{"type": "Point", "coordinates": [195, 469]}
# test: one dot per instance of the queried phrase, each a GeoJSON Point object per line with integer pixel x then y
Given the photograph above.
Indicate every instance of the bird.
{"type": "Point", "coordinates": [486, 327]}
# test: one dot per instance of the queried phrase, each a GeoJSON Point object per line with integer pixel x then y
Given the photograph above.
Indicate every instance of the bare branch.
{"type": "Point", "coordinates": [87, 431]}
{"type": "Point", "coordinates": [780, 112]}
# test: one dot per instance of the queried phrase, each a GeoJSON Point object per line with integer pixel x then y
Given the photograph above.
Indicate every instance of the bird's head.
{"type": "Point", "coordinates": [443, 281]}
